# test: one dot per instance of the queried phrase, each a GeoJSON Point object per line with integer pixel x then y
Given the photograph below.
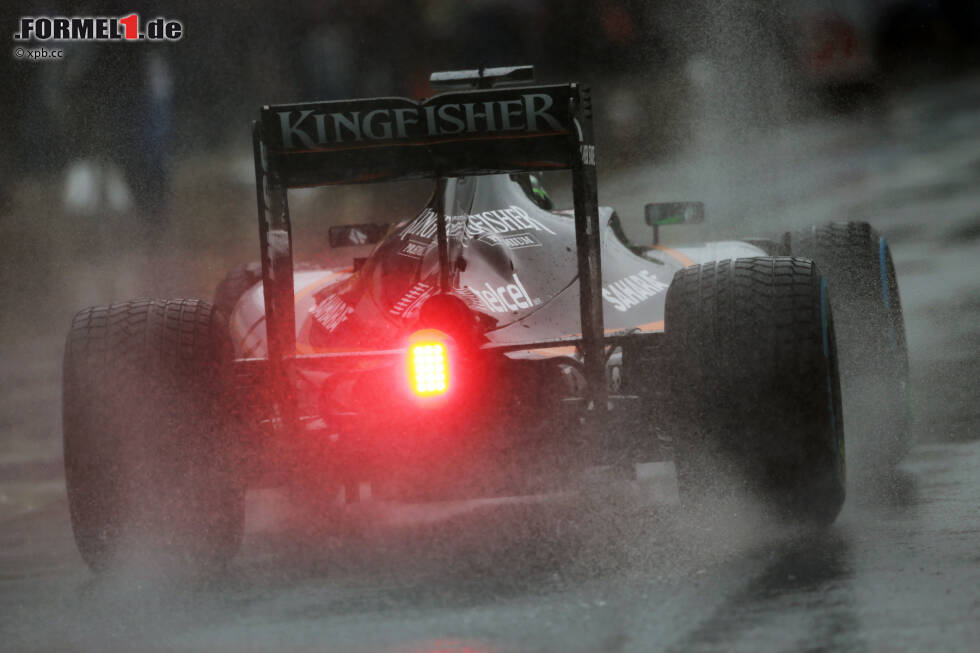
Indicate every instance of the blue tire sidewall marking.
{"type": "Point", "coordinates": [825, 332]}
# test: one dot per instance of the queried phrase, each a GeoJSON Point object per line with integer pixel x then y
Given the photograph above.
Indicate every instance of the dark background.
{"type": "Point", "coordinates": [198, 94]}
{"type": "Point", "coordinates": [126, 145]}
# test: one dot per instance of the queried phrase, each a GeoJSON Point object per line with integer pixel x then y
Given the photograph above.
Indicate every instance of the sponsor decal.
{"type": "Point", "coordinates": [306, 128]}
{"type": "Point", "coordinates": [332, 312]}
{"type": "Point", "coordinates": [505, 299]}
{"type": "Point", "coordinates": [411, 301]}
{"type": "Point", "coordinates": [471, 299]}
{"type": "Point", "coordinates": [512, 241]}
{"type": "Point", "coordinates": [510, 220]}
{"type": "Point", "coordinates": [633, 290]}
{"type": "Point", "coordinates": [414, 249]}
{"type": "Point", "coordinates": [356, 236]}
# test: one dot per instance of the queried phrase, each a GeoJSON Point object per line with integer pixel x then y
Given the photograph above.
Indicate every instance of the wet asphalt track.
{"type": "Point", "coordinates": [621, 571]}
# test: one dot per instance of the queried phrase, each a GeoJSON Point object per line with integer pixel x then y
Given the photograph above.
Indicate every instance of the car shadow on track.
{"type": "Point", "coordinates": [801, 567]}
{"type": "Point", "coordinates": [809, 576]}
{"type": "Point", "coordinates": [493, 553]}
{"type": "Point", "coordinates": [480, 556]}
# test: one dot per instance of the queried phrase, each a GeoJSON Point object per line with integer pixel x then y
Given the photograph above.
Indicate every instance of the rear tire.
{"type": "Point", "coordinates": [857, 264]}
{"type": "Point", "coordinates": [751, 346]}
{"type": "Point", "coordinates": [148, 462]}
{"type": "Point", "coordinates": [238, 280]}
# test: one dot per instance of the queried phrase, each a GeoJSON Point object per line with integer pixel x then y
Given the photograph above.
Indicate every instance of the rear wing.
{"type": "Point", "coordinates": [458, 133]}
{"type": "Point", "coordinates": [392, 138]}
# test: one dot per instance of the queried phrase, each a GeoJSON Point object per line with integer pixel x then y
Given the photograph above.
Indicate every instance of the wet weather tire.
{"type": "Point", "coordinates": [148, 465]}
{"type": "Point", "coordinates": [857, 263]}
{"type": "Point", "coordinates": [755, 381]}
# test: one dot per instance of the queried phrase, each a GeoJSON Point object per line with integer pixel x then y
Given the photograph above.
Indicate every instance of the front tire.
{"type": "Point", "coordinates": [751, 344]}
{"type": "Point", "coordinates": [148, 464]}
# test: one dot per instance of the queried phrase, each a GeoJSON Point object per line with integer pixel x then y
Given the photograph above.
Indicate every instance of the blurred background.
{"type": "Point", "coordinates": [127, 168]}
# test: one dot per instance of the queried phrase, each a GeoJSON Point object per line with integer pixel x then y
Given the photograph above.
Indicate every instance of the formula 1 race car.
{"type": "Point", "coordinates": [489, 345]}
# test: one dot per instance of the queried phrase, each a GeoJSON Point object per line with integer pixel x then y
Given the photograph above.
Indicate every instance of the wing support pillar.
{"type": "Point", "coordinates": [586, 203]}
{"type": "Point", "coordinates": [276, 250]}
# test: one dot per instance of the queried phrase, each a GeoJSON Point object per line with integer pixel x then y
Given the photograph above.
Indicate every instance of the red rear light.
{"type": "Point", "coordinates": [428, 363]}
